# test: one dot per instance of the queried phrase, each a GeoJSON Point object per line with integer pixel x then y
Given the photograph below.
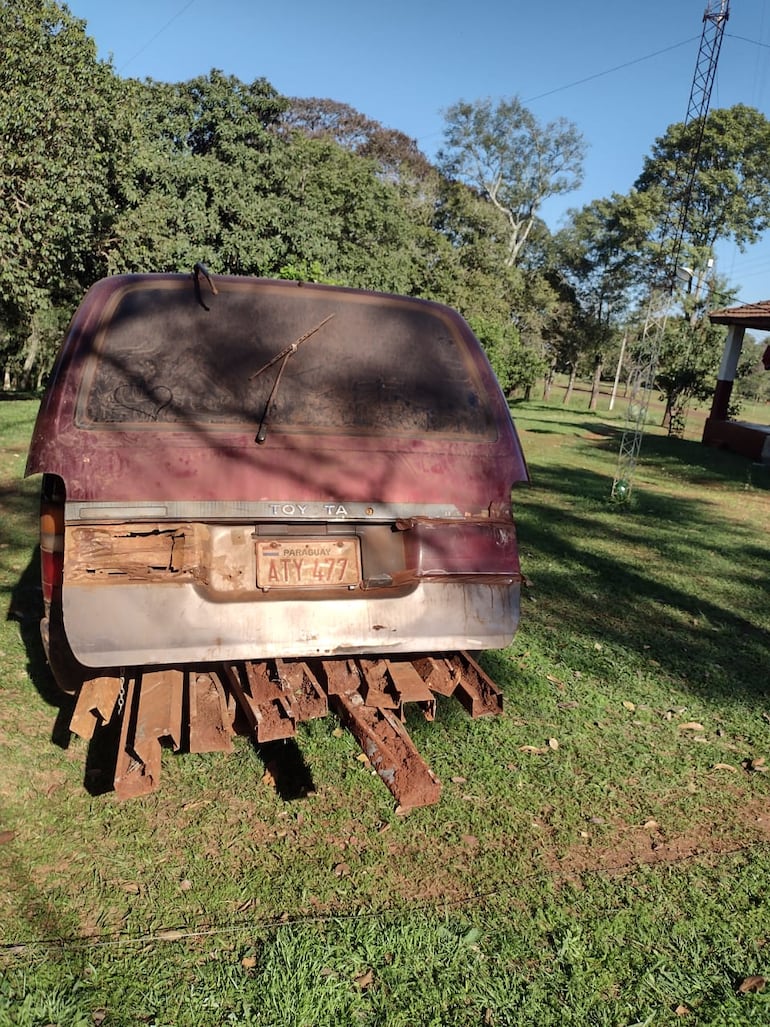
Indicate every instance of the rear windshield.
{"type": "Point", "coordinates": [165, 355]}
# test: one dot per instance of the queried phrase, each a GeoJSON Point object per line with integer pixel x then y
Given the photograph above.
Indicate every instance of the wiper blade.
{"type": "Point", "coordinates": [283, 356]}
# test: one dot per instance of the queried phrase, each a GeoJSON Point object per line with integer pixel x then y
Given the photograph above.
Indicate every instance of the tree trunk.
{"type": "Point", "coordinates": [548, 382]}
{"type": "Point", "coordinates": [598, 364]}
{"type": "Point", "coordinates": [570, 383]}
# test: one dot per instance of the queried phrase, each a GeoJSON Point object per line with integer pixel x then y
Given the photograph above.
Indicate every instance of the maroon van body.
{"type": "Point", "coordinates": [248, 469]}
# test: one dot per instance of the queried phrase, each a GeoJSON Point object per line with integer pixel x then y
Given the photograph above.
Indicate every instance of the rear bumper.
{"type": "Point", "coordinates": [131, 624]}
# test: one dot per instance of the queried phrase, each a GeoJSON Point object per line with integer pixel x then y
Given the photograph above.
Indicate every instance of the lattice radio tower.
{"type": "Point", "coordinates": [662, 293]}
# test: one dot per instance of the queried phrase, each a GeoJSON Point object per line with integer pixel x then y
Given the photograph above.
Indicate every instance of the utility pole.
{"type": "Point", "coordinates": [661, 296]}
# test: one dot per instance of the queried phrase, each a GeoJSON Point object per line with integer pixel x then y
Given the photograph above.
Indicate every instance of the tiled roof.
{"type": "Point", "coordinates": [750, 315]}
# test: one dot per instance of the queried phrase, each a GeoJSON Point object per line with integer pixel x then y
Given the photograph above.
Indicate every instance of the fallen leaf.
{"type": "Point", "coordinates": [132, 888]}
{"type": "Point", "coordinates": [751, 985]}
{"type": "Point", "coordinates": [555, 681]}
{"type": "Point", "coordinates": [249, 962]}
{"type": "Point", "coordinates": [338, 732]}
{"type": "Point", "coordinates": [170, 935]}
{"type": "Point", "coordinates": [185, 885]}
{"type": "Point", "coordinates": [691, 725]}
{"type": "Point", "coordinates": [363, 758]}
{"type": "Point", "coordinates": [365, 980]}
{"type": "Point", "coordinates": [268, 779]}
{"type": "Point", "coordinates": [99, 1016]}
{"type": "Point", "coordinates": [725, 766]}
{"type": "Point", "coordinates": [535, 750]}
{"type": "Point", "coordinates": [6, 836]}
{"type": "Point", "coordinates": [756, 766]}
{"type": "Point", "coordinates": [459, 780]}
{"type": "Point", "coordinates": [598, 646]}
{"type": "Point", "coordinates": [652, 825]}
{"type": "Point", "coordinates": [682, 1011]}
{"type": "Point", "coordinates": [553, 743]}
{"type": "Point", "coordinates": [341, 870]}
{"type": "Point", "coordinates": [629, 705]}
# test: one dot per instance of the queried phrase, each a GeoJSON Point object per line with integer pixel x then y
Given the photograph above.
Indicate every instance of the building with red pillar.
{"type": "Point", "coordinates": [751, 440]}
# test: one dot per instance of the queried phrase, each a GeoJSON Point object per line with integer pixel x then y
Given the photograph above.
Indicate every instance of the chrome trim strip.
{"type": "Point", "coordinates": [237, 511]}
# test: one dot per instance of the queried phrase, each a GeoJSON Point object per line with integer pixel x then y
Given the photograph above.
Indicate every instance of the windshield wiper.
{"type": "Point", "coordinates": [284, 357]}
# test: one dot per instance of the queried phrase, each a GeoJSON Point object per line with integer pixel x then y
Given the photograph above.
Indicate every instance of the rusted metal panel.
{"type": "Point", "coordinates": [95, 705]}
{"type": "Point", "coordinates": [129, 552]}
{"type": "Point", "coordinates": [390, 750]}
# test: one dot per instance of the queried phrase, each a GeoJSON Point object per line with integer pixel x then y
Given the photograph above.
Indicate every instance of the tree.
{"type": "Point", "coordinates": [59, 143]}
{"type": "Point", "coordinates": [512, 161]}
{"type": "Point", "coordinates": [730, 196]}
{"type": "Point", "coordinates": [516, 366]}
{"type": "Point", "coordinates": [201, 181]}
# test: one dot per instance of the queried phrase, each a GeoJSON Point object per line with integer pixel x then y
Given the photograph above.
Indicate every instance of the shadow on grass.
{"type": "Point", "coordinates": [662, 582]}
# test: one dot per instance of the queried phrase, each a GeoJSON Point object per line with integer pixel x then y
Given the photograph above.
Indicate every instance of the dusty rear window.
{"type": "Point", "coordinates": [370, 364]}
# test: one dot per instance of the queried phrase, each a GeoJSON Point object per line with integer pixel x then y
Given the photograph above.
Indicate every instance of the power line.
{"type": "Point", "coordinates": [160, 31]}
{"type": "Point", "coordinates": [610, 71]}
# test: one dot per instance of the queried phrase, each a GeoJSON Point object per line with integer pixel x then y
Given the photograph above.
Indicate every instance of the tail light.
{"type": "Point", "coordinates": [52, 537]}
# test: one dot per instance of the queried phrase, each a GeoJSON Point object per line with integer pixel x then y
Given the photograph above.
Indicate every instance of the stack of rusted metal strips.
{"type": "Point", "coordinates": [199, 711]}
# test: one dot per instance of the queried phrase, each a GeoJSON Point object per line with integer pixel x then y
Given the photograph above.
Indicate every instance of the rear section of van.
{"type": "Point", "coordinates": [246, 469]}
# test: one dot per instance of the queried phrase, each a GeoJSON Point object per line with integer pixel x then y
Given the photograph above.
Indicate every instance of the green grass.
{"type": "Point", "coordinates": [614, 878]}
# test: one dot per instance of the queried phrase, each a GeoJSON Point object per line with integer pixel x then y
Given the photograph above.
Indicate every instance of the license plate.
{"type": "Point", "coordinates": [308, 562]}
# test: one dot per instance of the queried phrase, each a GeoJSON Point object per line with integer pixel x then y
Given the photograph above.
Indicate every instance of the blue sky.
{"type": "Point", "coordinates": [621, 70]}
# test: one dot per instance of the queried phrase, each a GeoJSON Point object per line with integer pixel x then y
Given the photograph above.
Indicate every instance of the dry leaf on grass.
{"type": "Point", "coordinates": [682, 1011]}
{"type": "Point", "coordinates": [365, 980]}
{"type": "Point", "coordinates": [6, 836]}
{"type": "Point", "coordinates": [553, 743]}
{"type": "Point", "coordinates": [170, 935]}
{"type": "Point", "coordinates": [751, 985]}
{"type": "Point", "coordinates": [249, 962]}
{"type": "Point", "coordinates": [629, 705]}
{"type": "Point", "coordinates": [756, 766]}
{"type": "Point", "coordinates": [725, 766]}
{"type": "Point", "coordinates": [691, 725]}
{"type": "Point", "coordinates": [534, 750]}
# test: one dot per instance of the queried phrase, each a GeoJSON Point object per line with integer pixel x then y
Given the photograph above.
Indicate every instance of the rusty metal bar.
{"type": "Point", "coordinates": [131, 779]}
{"type": "Point", "coordinates": [377, 687]}
{"type": "Point", "coordinates": [307, 698]}
{"type": "Point", "coordinates": [275, 717]}
{"type": "Point", "coordinates": [390, 750]}
{"type": "Point", "coordinates": [210, 720]}
{"type": "Point", "coordinates": [338, 676]}
{"type": "Point", "coordinates": [437, 673]}
{"type": "Point", "coordinates": [477, 692]}
{"type": "Point", "coordinates": [95, 705]}
{"type": "Point", "coordinates": [411, 688]}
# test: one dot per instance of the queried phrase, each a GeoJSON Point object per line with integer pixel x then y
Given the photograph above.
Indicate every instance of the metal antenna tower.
{"type": "Point", "coordinates": [672, 234]}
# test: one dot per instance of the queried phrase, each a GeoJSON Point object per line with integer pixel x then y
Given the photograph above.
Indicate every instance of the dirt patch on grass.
{"type": "Point", "coordinates": [649, 845]}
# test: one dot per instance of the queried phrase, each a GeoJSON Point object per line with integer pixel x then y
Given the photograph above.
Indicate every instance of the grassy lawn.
{"type": "Point", "coordinates": [601, 851]}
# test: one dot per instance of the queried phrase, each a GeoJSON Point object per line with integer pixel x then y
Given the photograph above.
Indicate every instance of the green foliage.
{"type": "Point", "coordinates": [730, 196]}
{"type": "Point", "coordinates": [513, 161]}
{"type": "Point", "coordinates": [516, 366]}
{"type": "Point", "coordinates": [60, 144]}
